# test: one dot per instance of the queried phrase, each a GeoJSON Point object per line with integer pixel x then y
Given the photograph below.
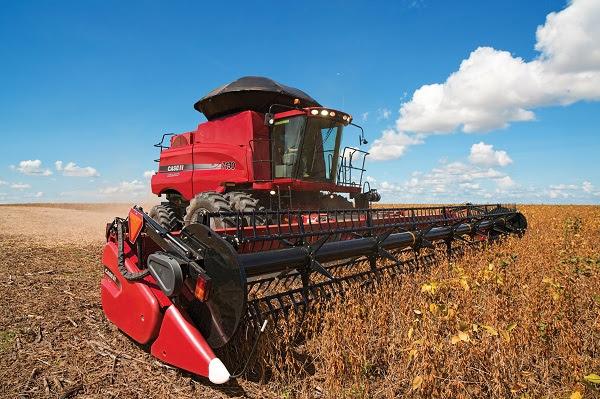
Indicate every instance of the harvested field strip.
{"type": "Point", "coordinates": [55, 340]}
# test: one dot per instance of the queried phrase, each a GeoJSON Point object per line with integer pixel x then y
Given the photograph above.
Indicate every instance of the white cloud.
{"type": "Point", "coordinates": [458, 182]}
{"type": "Point", "coordinates": [3, 183]}
{"type": "Point", "coordinates": [492, 88]}
{"type": "Point", "coordinates": [370, 179]}
{"type": "Point", "coordinates": [383, 113]}
{"type": "Point", "coordinates": [485, 155]}
{"type": "Point", "coordinates": [20, 186]}
{"type": "Point", "coordinates": [415, 3]}
{"type": "Point", "coordinates": [125, 187]}
{"type": "Point", "coordinates": [505, 183]}
{"type": "Point", "coordinates": [559, 194]}
{"type": "Point", "coordinates": [391, 145]}
{"type": "Point", "coordinates": [469, 186]}
{"type": "Point", "coordinates": [32, 167]}
{"type": "Point", "coordinates": [454, 181]}
{"type": "Point", "coordinates": [149, 173]}
{"type": "Point", "coordinates": [38, 194]}
{"type": "Point", "coordinates": [71, 169]}
{"type": "Point", "coordinates": [564, 187]}
{"type": "Point", "coordinates": [573, 191]}
{"type": "Point", "coordinates": [569, 38]}
{"type": "Point", "coordinates": [365, 116]}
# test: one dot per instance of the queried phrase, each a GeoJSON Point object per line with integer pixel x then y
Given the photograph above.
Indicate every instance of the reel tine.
{"type": "Point", "coordinates": [283, 307]}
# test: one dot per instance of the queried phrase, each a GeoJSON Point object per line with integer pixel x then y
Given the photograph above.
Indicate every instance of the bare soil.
{"type": "Point", "coordinates": [60, 223]}
{"type": "Point", "coordinates": [54, 338]}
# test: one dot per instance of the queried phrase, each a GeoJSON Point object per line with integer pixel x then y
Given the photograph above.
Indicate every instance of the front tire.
{"type": "Point", "coordinates": [245, 202]}
{"type": "Point", "coordinates": [209, 202]}
{"type": "Point", "coordinates": [165, 214]}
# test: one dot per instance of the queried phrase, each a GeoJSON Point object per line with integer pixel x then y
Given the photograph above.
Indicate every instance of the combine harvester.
{"type": "Point", "coordinates": [254, 227]}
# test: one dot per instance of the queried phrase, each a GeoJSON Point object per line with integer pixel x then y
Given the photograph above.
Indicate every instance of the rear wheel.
{"type": "Point", "coordinates": [209, 202]}
{"type": "Point", "coordinates": [244, 202]}
{"type": "Point", "coordinates": [165, 214]}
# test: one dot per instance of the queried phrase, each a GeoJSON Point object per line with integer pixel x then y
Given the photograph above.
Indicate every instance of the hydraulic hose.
{"type": "Point", "coordinates": [129, 276]}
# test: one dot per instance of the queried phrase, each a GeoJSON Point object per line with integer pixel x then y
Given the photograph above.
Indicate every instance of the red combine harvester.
{"type": "Point", "coordinates": [254, 227]}
{"type": "Point", "coordinates": [248, 158]}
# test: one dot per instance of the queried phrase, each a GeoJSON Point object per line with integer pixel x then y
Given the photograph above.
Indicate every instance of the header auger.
{"type": "Point", "coordinates": [190, 275]}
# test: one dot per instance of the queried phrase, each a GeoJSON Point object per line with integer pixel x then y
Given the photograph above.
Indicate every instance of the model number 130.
{"type": "Point", "coordinates": [229, 165]}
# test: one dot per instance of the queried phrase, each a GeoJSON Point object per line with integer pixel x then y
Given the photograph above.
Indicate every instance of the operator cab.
{"type": "Point", "coordinates": [305, 144]}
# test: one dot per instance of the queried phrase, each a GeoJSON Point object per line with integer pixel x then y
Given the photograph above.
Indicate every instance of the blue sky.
{"type": "Point", "coordinates": [94, 84]}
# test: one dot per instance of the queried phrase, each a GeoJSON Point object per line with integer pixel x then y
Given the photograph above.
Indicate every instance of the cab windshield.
{"type": "Point", "coordinates": [306, 148]}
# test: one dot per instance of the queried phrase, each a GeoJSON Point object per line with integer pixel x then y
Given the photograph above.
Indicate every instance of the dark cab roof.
{"type": "Point", "coordinates": [252, 93]}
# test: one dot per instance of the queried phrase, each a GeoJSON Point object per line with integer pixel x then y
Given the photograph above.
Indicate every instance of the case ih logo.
{"type": "Point", "coordinates": [175, 168]}
{"type": "Point", "coordinates": [226, 165]}
{"type": "Point", "coordinates": [111, 275]}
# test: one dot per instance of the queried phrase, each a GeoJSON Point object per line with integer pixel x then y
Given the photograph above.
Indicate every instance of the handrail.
{"type": "Point", "coordinates": [346, 167]}
{"type": "Point", "coordinates": [162, 140]}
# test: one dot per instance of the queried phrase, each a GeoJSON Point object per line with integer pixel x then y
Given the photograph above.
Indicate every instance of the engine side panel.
{"type": "Point", "coordinates": [176, 167]}
{"type": "Point", "coordinates": [223, 152]}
